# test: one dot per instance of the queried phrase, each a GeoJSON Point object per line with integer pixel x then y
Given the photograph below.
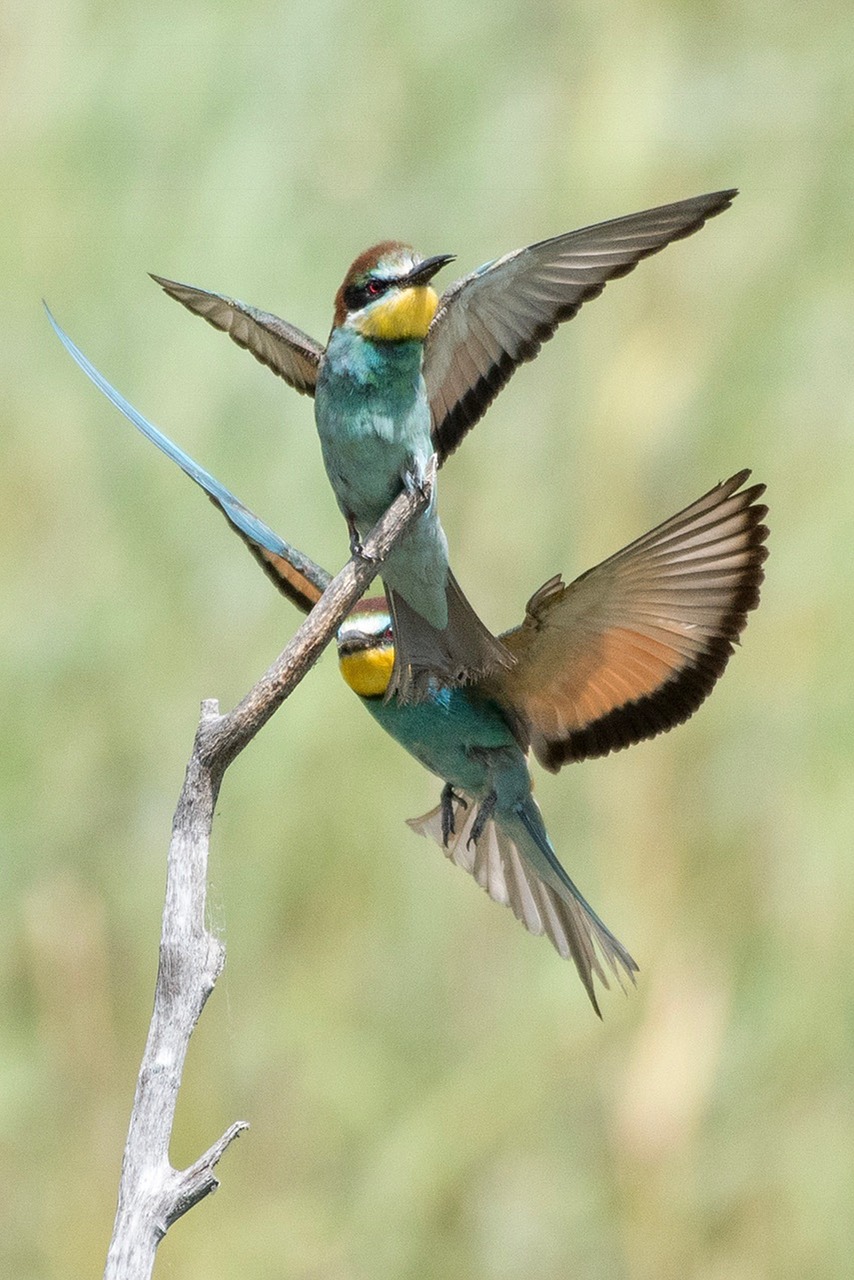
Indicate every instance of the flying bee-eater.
{"type": "Point", "coordinates": [406, 373]}
{"type": "Point", "coordinates": [625, 652]}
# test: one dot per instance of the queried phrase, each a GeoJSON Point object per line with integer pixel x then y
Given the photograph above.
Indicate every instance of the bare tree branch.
{"type": "Point", "coordinates": [152, 1195]}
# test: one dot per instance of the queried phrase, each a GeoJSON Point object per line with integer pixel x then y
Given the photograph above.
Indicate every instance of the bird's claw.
{"type": "Point", "coordinates": [358, 552]}
{"type": "Point", "coordinates": [415, 479]}
{"type": "Point", "coordinates": [357, 549]}
{"type": "Point", "coordinates": [449, 823]}
{"type": "Point", "coordinates": [484, 813]}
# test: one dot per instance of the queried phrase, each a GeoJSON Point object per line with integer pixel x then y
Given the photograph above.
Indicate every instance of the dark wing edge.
{"type": "Point", "coordinates": [452, 421]}
{"type": "Point", "coordinates": [678, 698]}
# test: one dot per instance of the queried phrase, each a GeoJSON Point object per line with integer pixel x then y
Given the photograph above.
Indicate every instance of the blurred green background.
{"type": "Point", "coordinates": [429, 1093]}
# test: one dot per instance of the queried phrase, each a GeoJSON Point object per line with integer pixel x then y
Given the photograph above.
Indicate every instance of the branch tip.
{"type": "Point", "coordinates": [199, 1180]}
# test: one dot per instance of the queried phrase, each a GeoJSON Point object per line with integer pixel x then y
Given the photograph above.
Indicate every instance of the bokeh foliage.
{"type": "Point", "coordinates": [429, 1093]}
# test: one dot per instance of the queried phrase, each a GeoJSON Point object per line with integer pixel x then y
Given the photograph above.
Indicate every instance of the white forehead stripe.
{"type": "Point", "coordinates": [364, 624]}
{"type": "Point", "coordinates": [397, 262]}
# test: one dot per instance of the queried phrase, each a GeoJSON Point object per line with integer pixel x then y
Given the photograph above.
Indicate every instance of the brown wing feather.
{"type": "Point", "coordinates": [499, 316]}
{"type": "Point", "coordinates": [633, 647]}
{"type": "Point", "coordinates": [296, 586]}
{"type": "Point", "coordinates": [289, 352]}
{"type": "Point", "coordinates": [297, 577]}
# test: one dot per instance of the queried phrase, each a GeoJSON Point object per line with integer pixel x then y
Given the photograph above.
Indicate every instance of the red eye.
{"type": "Point", "coordinates": [373, 288]}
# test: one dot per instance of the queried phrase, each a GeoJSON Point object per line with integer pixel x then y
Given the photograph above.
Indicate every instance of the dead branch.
{"type": "Point", "coordinates": [152, 1195]}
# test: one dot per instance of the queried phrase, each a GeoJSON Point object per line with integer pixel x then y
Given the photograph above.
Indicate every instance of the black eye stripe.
{"type": "Point", "coordinates": [357, 296]}
{"type": "Point", "coordinates": [365, 641]}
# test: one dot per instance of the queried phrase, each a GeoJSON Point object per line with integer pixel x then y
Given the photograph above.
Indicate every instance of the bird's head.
{"type": "Point", "coordinates": [386, 294]}
{"type": "Point", "coordinates": [366, 648]}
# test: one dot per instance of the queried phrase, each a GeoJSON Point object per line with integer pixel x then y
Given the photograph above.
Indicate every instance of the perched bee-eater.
{"type": "Point", "coordinates": [405, 374]}
{"type": "Point", "coordinates": [623, 653]}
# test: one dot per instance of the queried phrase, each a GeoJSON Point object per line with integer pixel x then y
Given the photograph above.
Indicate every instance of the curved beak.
{"type": "Point", "coordinates": [427, 269]}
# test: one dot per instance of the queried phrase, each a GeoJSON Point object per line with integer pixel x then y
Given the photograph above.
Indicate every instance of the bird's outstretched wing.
{"type": "Point", "coordinates": [632, 647]}
{"type": "Point", "coordinates": [493, 320]}
{"type": "Point", "coordinates": [295, 575]}
{"type": "Point", "coordinates": [289, 352]}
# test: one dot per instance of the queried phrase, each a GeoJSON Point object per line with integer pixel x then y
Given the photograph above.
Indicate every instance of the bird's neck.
{"type": "Point", "coordinates": [352, 355]}
{"type": "Point", "coordinates": [403, 316]}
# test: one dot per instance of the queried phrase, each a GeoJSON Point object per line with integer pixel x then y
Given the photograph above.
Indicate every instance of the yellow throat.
{"type": "Point", "coordinates": [368, 671]}
{"type": "Point", "coordinates": [404, 316]}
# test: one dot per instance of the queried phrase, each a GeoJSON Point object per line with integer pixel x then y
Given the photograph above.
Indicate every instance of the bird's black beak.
{"type": "Point", "coordinates": [427, 269]}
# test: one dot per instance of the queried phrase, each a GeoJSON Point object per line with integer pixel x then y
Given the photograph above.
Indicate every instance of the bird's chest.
{"type": "Point", "coordinates": [373, 420]}
{"type": "Point", "coordinates": [455, 735]}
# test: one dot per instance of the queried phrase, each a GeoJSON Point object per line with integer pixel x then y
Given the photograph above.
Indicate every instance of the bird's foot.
{"type": "Point", "coordinates": [414, 478]}
{"type": "Point", "coordinates": [357, 549]}
{"type": "Point", "coordinates": [484, 813]}
{"type": "Point", "coordinates": [449, 825]}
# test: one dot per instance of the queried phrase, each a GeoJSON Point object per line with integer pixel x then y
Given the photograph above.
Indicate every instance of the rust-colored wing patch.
{"type": "Point", "coordinates": [300, 589]}
{"type": "Point", "coordinates": [633, 647]}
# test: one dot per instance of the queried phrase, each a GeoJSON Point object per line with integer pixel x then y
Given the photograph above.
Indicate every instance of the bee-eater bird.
{"type": "Point", "coordinates": [623, 653]}
{"type": "Point", "coordinates": [405, 374]}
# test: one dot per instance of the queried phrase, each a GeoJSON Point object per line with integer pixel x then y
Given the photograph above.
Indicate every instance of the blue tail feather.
{"type": "Point", "coordinates": [244, 521]}
{"type": "Point", "coordinates": [551, 870]}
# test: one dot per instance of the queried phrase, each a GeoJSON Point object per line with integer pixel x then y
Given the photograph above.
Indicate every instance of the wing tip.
{"type": "Point", "coordinates": [167, 285]}
{"type": "Point", "coordinates": [720, 200]}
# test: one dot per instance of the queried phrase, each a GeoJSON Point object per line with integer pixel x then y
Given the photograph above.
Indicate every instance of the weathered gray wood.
{"type": "Point", "coordinates": [152, 1195]}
